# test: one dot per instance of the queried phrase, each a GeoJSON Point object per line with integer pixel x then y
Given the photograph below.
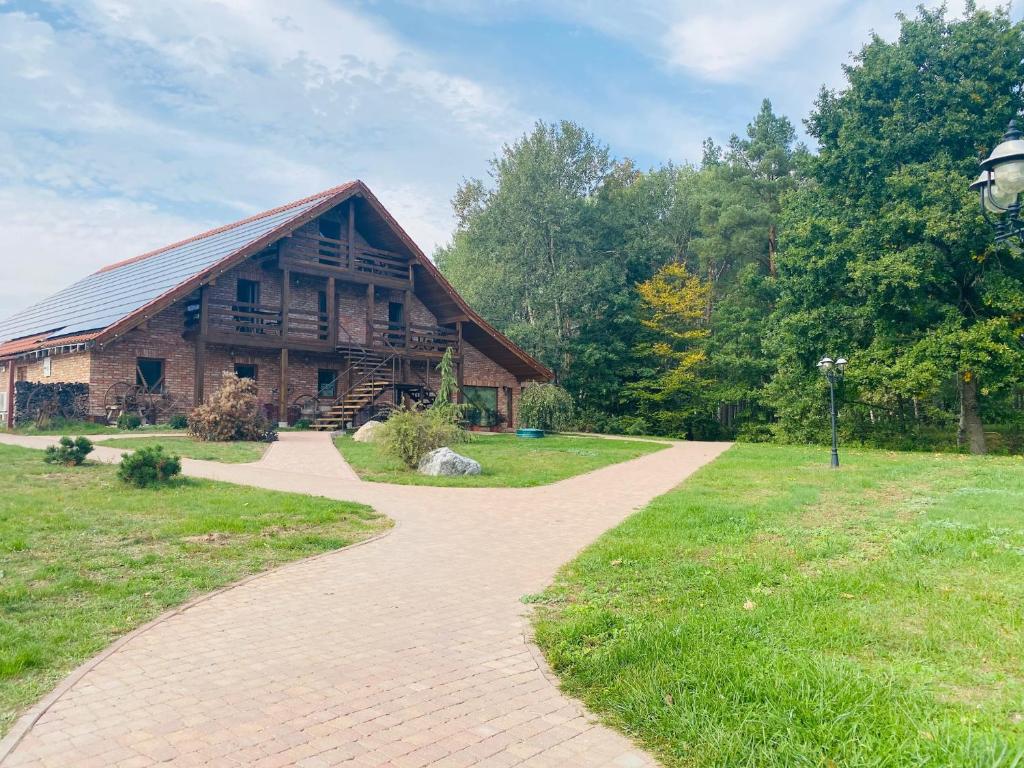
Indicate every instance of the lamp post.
{"type": "Point", "coordinates": [833, 371]}
{"type": "Point", "coordinates": [1000, 186]}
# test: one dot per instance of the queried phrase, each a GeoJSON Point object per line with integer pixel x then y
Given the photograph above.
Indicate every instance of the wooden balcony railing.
{"type": "Point", "coordinates": [328, 252]}
{"type": "Point", "coordinates": [263, 321]}
{"type": "Point", "coordinates": [431, 339]}
{"type": "Point", "coordinates": [314, 326]}
{"type": "Point", "coordinates": [244, 318]}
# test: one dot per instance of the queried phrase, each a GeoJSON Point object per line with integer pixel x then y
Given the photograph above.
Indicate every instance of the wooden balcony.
{"type": "Point", "coordinates": [259, 325]}
{"type": "Point", "coordinates": [326, 256]}
{"type": "Point", "coordinates": [427, 340]}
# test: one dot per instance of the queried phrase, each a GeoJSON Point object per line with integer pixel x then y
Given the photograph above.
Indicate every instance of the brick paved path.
{"type": "Point", "coordinates": [410, 650]}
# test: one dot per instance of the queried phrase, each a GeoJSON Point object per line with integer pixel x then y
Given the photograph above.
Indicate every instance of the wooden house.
{"type": "Point", "coordinates": [326, 303]}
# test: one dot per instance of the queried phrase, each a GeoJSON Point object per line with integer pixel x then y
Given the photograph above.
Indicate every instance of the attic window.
{"type": "Point", "coordinates": [330, 229]}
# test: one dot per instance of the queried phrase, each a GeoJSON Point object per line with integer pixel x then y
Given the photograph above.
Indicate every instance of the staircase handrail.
{"type": "Point", "coordinates": [366, 376]}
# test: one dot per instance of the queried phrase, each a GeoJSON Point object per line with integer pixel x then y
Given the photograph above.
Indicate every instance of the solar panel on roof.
{"type": "Point", "coordinates": [103, 298]}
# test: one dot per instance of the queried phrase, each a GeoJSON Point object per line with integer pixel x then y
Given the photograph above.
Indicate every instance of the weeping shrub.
{"type": "Point", "coordinates": [445, 406]}
{"type": "Point", "coordinates": [233, 413]}
{"type": "Point", "coordinates": [410, 434]}
{"type": "Point", "coordinates": [545, 406]}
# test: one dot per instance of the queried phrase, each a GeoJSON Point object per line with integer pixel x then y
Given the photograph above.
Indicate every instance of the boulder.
{"type": "Point", "coordinates": [447, 463]}
{"type": "Point", "coordinates": [368, 432]}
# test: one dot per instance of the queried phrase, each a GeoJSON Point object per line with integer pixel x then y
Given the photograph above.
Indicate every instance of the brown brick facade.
{"type": "Point", "coordinates": [164, 338]}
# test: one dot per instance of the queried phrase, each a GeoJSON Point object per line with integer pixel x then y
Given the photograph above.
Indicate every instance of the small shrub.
{"type": "Point", "coordinates": [545, 406]}
{"type": "Point", "coordinates": [302, 424]}
{"type": "Point", "coordinates": [148, 467]}
{"type": "Point", "coordinates": [592, 420]}
{"type": "Point", "coordinates": [410, 434]}
{"type": "Point", "coordinates": [232, 414]}
{"type": "Point", "coordinates": [70, 453]}
{"type": "Point", "coordinates": [445, 407]}
{"type": "Point", "coordinates": [634, 425]}
{"type": "Point", "coordinates": [178, 421]}
{"type": "Point", "coordinates": [129, 421]}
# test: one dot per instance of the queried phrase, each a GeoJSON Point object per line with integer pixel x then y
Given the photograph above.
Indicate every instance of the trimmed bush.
{"type": "Point", "coordinates": [410, 434]}
{"type": "Point", "coordinates": [232, 414]}
{"type": "Point", "coordinates": [178, 421]}
{"type": "Point", "coordinates": [129, 421]}
{"type": "Point", "coordinates": [70, 453]}
{"type": "Point", "coordinates": [147, 467]}
{"type": "Point", "coordinates": [545, 406]}
{"type": "Point", "coordinates": [302, 424]}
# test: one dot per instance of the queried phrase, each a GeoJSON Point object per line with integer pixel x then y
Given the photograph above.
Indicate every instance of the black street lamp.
{"type": "Point", "coordinates": [1000, 186]}
{"type": "Point", "coordinates": [833, 371]}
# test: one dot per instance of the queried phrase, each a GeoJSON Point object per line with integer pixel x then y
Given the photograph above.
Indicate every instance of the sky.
{"type": "Point", "coordinates": [129, 125]}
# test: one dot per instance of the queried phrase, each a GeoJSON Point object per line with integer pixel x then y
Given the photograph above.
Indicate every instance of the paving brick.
{"type": "Point", "coordinates": [407, 651]}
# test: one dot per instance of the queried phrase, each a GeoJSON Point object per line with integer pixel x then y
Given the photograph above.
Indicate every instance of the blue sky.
{"type": "Point", "coordinates": [131, 124]}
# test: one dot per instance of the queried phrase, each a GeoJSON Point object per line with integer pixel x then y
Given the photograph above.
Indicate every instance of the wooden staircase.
{"type": "Point", "coordinates": [372, 374]}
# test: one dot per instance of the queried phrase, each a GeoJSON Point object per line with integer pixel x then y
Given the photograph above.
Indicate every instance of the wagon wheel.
{"type": "Point", "coordinates": [146, 405]}
{"type": "Point", "coordinates": [44, 405]}
{"type": "Point", "coordinates": [308, 405]}
{"type": "Point", "coordinates": [120, 398]}
{"type": "Point", "coordinates": [164, 406]}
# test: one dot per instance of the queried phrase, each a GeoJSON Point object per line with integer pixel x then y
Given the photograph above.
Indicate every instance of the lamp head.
{"type": "Point", "coordinates": [841, 364]}
{"type": "Point", "coordinates": [825, 364]}
{"type": "Point", "coordinates": [1007, 161]}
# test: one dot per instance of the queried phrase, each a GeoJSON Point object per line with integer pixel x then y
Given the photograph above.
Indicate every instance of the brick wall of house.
{"type": "Point", "coordinates": [73, 367]}
{"type": "Point", "coordinates": [481, 371]}
{"type": "Point", "coordinates": [162, 338]}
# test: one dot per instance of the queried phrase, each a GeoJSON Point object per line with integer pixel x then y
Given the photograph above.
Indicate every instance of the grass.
{"type": "Point", "coordinates": [772, 612]}
{"type": "Point", "coordinates": [505, 460]}
{"type": "Point", "coordinates": [75, 428]}
{"type": "Point", "coordinates": [85, 558]}
{"type": "Point", "coordinates": [230, 453]}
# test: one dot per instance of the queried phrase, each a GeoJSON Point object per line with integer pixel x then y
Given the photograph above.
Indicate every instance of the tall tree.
{"type": "Point", "coordinates": [886, 258]}
{"type": "Point", "coordinates": [521, 252]}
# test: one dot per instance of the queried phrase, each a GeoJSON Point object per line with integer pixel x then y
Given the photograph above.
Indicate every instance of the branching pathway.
{"type": "Point", "coordinates": [408, 651]}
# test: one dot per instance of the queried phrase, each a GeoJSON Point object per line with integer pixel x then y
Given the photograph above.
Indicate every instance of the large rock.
{"type": "Point", "coordinates": [447, 463]}
{"type": "Point", "coordinates": [368, 432]}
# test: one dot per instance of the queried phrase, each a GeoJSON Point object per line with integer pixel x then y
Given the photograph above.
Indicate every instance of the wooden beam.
{"type": "Point", "coordinates": [460, 368]}
{"type": "Point", "coordinates": [198, 390]}
{"type": "Point", "coordinates": [332, 313]}
{"type": "Point", "coordinates": [282, 397]}
{"type": "Point", "coordinates": [286, 302]}
{"type": "Point", "coordinates": [407, 315]}
{"type": "Point", "coordinates": [10, 393]}
{"type": "Point", "coordinates": [369, 314]}
{"type": "Point", "coordinates": [351, 230]}
{"type": "Point", "coordinates": [348, 275]}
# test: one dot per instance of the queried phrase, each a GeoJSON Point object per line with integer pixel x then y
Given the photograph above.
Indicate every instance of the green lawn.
{"type": "Point", "coordinates": [505, 460]}
{"type": "Point", "coordinates": [772, 612]}
{"type": "Point", "coordinates": [230, 453]}
{"type": "Point", "coordinates": [60, 427]}
{"type": "Point", "coordinates": [84, 558]}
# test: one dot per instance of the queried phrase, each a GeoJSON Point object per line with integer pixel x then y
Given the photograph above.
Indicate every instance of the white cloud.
{"type": "Point", "coordinates": [721, 44]}
{"type": "Point", "coordinates": [215, 110]}
{"type": "Point", "coordinates": [40, 227]}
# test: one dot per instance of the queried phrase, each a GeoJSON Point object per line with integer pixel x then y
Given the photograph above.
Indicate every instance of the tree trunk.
{"type": "Point", "coordinates": [972, 431]}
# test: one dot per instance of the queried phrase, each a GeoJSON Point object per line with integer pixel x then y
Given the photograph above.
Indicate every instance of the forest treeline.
{"type": "Point", "coordinates": [696, 300]}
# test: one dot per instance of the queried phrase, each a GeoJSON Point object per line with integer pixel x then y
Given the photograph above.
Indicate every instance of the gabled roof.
{"type": "Point", "coordinates": [112, 301]}
{"type": "Point", "coordinates": [119, 290]}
